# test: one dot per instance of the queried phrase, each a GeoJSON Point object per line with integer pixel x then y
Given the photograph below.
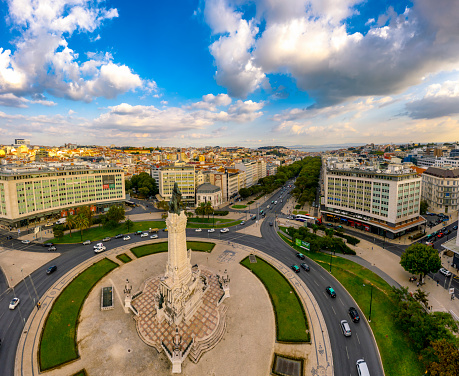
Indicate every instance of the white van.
{"type": "Point", "coordinates": [362, 368]}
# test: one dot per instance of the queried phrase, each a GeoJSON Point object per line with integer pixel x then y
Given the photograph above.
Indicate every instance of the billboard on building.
{"type": "Point", "coordinates": [108, 181]}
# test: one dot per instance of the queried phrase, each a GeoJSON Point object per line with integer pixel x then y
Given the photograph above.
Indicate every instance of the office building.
{"type": "Point", "coordinates": [440, 188]}
{"type": "Point", "coordinates": [184, 175]}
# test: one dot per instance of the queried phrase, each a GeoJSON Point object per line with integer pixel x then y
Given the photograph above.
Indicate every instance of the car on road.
{"type": "Point", "coordinates": [154, 236]}
{"type": "Point", "coordinates": [25, 242]}
{"type": "Point", "coordinates": [165, 229]}
{"type": "Point", "coordinates": [51, 269]}
{"type": "Point", "coordinates": [14, 303]}
{"type": "Point", "coordinates": [295, 268]}
{"type": "Point", "coordinates": [243, 223]}
{"type": "Point", "coordinates": [270, 223]}
{"type": "Point", "coordinates": [224, 230]}
{"type": "Point", "coordinates": [445, 272]}
{"type": "Point", "coordinates": [329, 224]}
{"type": "Point", "coordinates": [354, 314]}
{"type": "Point", "coordinates": [198, 230]}
{"type": "Point", "coordinates": [140, 232]}
{"type": "Point", "coordinates": [211, 230]}
{"type": "Point", "coordinates": [431, 244]}
{"type": "Point", "coordinates": [107, 239]}
{"type": "Point", "coordinates": [362, 368]}
{"type": "Point", "coordinates": [9, 237]}
{"type": "Point", "coordinates": [127, 237]}
{"type": "Point", "coordinates": [345, 328]}
{"type": "Point", "coordinates": [98, 245]}
{"type": "Point", "coordinates": [100, 249]}
{"type": "Point", "coordinates": [87, 242]}
{"type": "Point", "coordinates": [253, 217]}
{"type": "Point", "coordinates": [144, 235]}
{"type": "Point", "coordinates": [440, 235]}
{"type": "Point", "coordinates": [454, 227]}
{"type": "Point", "coordinates": [330, 291]}
{"type": "Point", "coordinates": [305, 266]}
{"type": "Point", "coordinates": [52, 248]}
{"type": "Point", "coordinates": [300, 256]}
{"type": "Point", "coordinates": [119, 236]}
{"type": "Point", "coordinates": [48, 244]}
{"type": "Point", "coordinates": [446, 232]}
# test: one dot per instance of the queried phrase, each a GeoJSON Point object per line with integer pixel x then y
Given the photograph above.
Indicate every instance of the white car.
{"type": "Point", "coordinates": [99, 249]}
{"type": "Point", "coordinates": [25, 242]}
{"type": "Point", "coordinates": [98, 245]}
{"type": "Point", "coordinates": [154, 236]}
{"type": "Point", "coordinates": [144, 235]}
{"type": "Point", "coordinates": [211, 230]}
{"type": "Point", "coordinates": [14, 303]}
{"type": "Point", "coordinates": [87, 242]}
{"type": "Point", "coordinates": [445, 272]}
{"type": "Point", "coordinates": [198, 230]}
{"type": "Point", "coordinates": [223, 230]}
{"type": "Point", "coordinates": [345, 328]}
{"type": "Point", "coordinates": [127, 237]}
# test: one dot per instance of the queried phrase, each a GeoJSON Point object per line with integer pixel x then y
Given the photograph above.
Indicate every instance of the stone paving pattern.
{"type": "Point", "coordinates": [201, 326]}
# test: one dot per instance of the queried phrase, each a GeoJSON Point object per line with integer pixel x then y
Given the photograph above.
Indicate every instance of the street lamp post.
{"type": "Point", "coordinates": [331, 259]}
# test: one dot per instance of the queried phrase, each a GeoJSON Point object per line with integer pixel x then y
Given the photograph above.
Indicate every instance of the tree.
{"type": "Point", "coordinates": [144, 191]}
{"type": "Point", "coordinates": [314, 228]}
{"type": "Point", "coordinates": [445, 358]}
{"type": "Point", "coordinates": [420, 259]}
{"type": "Point", "coordinates": [245, 192]}
{"type": "Point", "coordinates": [86, 212]}
{"type": "Point", "coordinates": [70, 222]}
{"type": "Point", "coordinates": [129, 224]}
{"type": "Point", "coordinates": [208, 209]}
{"type": "Point", "coordinates": [142, 180]}
{"type": "Point", "coordinates": [82, 222]}
{"type": "Point", "coordinates": [58, 231]}
{"type": "Point", "coordinates": [423, 207]}
{"type": "Point", "coordinates": [163, 205]}
{"type": "Point", "coordinates": [116, 213]}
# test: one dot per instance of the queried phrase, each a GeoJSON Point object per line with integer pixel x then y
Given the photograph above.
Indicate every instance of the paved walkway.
{"type": "Point", "coordinates": [247, 347]}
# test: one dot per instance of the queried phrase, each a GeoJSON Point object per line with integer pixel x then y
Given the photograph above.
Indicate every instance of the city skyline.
{"type": "Point", "coordinates": [217, 72]}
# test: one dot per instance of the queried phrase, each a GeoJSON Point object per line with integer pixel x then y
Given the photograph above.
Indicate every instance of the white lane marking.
{"type": "Point", "coordinates": [347, 353]}
{"type": "Point", "coordinates": [341, 301]}
{"type": "Point", "coordinates": [316, 282]}
{"type": "Point", "coordinates": [322, 277]}
{"type": "Point", "coordinates": [357, 338]}
{"type": "Point", "coordinates": [333, 310]}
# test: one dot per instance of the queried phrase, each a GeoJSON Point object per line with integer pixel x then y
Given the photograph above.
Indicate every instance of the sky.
{"type": "Point", "coordinates": [191, 73]}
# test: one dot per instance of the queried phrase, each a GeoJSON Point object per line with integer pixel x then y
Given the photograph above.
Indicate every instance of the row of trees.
{"type": "Point", "coordinates": [84, 219]}
{"type": "Point", "coordinates": [143, 184]}
{"type": "Point", "coordinates": [270, 183]}
{"type": "Point", "coordinates": [307, 182]}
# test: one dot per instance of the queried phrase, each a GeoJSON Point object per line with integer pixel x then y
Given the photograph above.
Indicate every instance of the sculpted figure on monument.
{"type": "Point", "coordinates": [174, 203]}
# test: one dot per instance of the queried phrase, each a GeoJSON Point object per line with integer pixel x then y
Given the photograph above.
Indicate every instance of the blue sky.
{"type": "Point", "coordinates": [221, 72]}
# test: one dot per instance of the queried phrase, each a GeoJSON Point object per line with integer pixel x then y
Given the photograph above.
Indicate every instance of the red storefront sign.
{"type": "Point", "coordinates": [63, 213]}
{"type": "Point", "coordinates": [93, 208]}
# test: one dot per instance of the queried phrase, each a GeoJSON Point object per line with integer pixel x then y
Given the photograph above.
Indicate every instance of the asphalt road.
{"type": "Point", "coordinates": [346, 350]}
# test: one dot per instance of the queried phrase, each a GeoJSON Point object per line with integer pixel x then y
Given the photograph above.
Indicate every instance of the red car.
{"type": "Point", "coordinates": [440, 235]}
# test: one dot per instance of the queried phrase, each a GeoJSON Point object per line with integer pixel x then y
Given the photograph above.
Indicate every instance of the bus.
{"type": "Point", "coordinates": [303, 218]}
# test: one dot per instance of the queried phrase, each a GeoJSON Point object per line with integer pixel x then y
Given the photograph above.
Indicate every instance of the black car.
{"type": "Point", "coordinates": [330, 291]}
{"type": "Point", "coordinates": [300, 256]}
{"type": "Point", "coordinates": [454, 227]}
{"type": "Point", "coordinates": [354, 314]}
{"type": "Point", "coordinates": [9, 237]}
{"type": "Point", "coordinates": [305, 267]}
{"type": "Point", "coordinates": [51, 269]}
{"type": "Point", "coordinates": [270, 223]}
{"type": "Point", "coordinates": [295, 268]}
{"type": "Point", "coordinates": [48, 244]}
{"type": "Point", "coordinates": [119, 236]}
{"type": "Point", "coordinates": [254, 217]}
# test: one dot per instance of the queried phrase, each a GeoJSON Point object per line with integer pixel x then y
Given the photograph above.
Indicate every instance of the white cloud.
{"type": "Point", "coordinates": [42, 60]}
{"type": "Point", "coordinates": [210, 102]}
{"type": "Point", "coordinates": [310, 41]}
{"type": "Point", "coordinates": [11, 100]}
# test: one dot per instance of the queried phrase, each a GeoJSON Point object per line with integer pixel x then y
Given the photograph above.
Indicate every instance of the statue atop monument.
{"type": "Point", "coordinates": [174, 203]}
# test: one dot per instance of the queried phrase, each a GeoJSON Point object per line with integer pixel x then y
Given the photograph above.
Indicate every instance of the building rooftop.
{"type": "Point", "coordinates": [442, 172]}
{"type": "Point", "coordinates": [207, 188]}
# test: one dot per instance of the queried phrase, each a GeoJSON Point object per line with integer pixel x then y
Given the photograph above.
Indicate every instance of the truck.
{"type": "Point", "coordinates": [60, 221]}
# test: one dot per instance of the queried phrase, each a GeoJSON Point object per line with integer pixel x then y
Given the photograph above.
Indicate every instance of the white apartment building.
{"type": "Point", "coordinates": [227, 181]}
{"type": "Point", "coordinates": [45, 191]}
{"type": "Point", "coordinates": [383, 202]}
{"type": "Point", "coordinates": [440, 188]}
{"type": "Point", "coordinates": [154, 173]}
{"type": "Point", "coordinates": [438, 162]}
{"type": "Point", "coordinates": [184, 175]}
{"type": "Point", "coordinates": [254, 170]}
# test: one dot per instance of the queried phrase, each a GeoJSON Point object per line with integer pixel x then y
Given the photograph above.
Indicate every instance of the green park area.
{"type": "Point", "coordinates": [291, 321]}
{"type": "Point", "coordinates": [149, 249]}
{"type": "Point", "coordinates": [81, 373]}
{"type": "Point", "coordinates": [58, 341]}
{"type": "Point", "coordinates": [358, 281]}
{"type": "Point", "coordinates": [238, 206]}
{"type": "Point", "coordinates": [124, 258]}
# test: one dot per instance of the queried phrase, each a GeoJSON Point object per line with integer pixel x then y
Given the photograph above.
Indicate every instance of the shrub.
{"type": "Point", "coordinates": [350, 239]}
{"type": "Point", "coordinates": [297, 206]}
{"type": "Point", "coordinates": [250, 202]}
{"type": "Point", "coordinates": [221, 212]}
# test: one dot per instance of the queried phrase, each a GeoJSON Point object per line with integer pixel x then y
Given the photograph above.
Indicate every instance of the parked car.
{"type": "Point", "coordinates": [48, 244]}
{"type": "Point", "coordinates": [305, 266]}
{"type": "Point", "coordinates": [430, 244]}
{"type": "Point", "coordinates": [87, 242]}
{"type": "Point", "coordinates": [345, 328]}
{"type": "Point", "coordinates": [330, 291]}
{"type": "Point", "coordinates": [165, 229]}
{"type": "Point", "coordinates": [445, 272]}
{"type": "Point", "coordinates": [454, 227]}
{"type": "Point", "coordinates": [25, 241]}
{"type": "Point", "coordinates": [106, 239]}
{"type": "Point", "coordinates": [300, 256]}
{"type": "Point", "coordinates": [154, 236]}
{"type": "Point", "coordinates": [224, 230]}
{"type": "Point", "coordinates": [144, 235]}
{"type": "Point", "coordinates": [51, 269]}
{"type": "Point", "coordinates": [211, 230]}
{"type": "Point", "coordinates": [119, 236]}
{"type": "Point", "coordinates": [127, 237]}
{"type": "Point", "coordinates": [14, 303]}
{"type": "Point", "coordinates": [354, 314]}
{"type": "Point", "coordinates": [446, 232]}
{"type": "Point", "coordinates": [198, 230]}
{"type": "Point", "coordinates": [295, 268]}
{"type": "Point", "coordinates": [52, 248]}
{"type": "Point", "coordinates": [140, 232]}
{"type": "Point", "coordinates": [440, 235]}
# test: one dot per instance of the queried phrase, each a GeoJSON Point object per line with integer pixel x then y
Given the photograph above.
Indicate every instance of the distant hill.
{"type": "Point", "coordinates": [272, 147]}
